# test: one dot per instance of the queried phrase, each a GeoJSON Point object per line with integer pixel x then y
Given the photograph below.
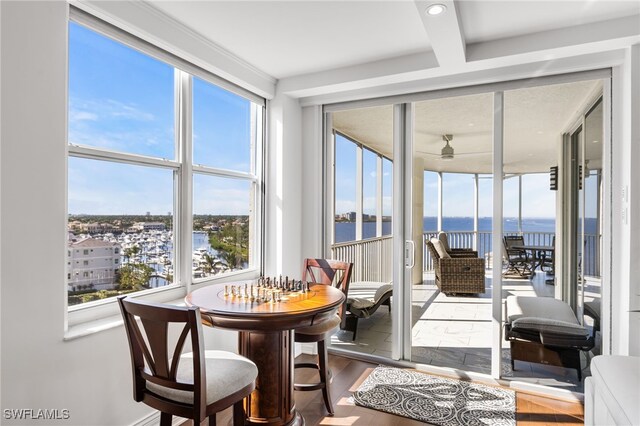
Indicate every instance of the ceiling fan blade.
{"type": "Point", "coordinates": [455, 154]}
{"type": "Point", "coordinates": [474, 153]}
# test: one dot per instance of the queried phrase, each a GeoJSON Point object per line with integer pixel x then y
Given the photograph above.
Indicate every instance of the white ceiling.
{"type": "Point", "coordinates": [535, 119]}
{"type": "Point", "coordinates": [295, 41]}
{"type": "Point", "coordinates": [286, 38]}
{"type": "Point", "coordinates": [289, 38]}
{"type": "Point", "coordinates": [492, 20]}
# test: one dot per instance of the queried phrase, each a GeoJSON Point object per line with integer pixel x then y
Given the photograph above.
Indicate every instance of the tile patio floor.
{"type": "Point", "coordinates": [455, 332]}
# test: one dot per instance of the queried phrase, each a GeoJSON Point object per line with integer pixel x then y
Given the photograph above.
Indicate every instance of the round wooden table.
{"type": "Point", "coordinates": [266, 336]}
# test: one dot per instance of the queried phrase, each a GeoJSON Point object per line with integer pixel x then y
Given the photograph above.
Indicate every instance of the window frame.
{"type": "Point", "coordinates": [183, 171]}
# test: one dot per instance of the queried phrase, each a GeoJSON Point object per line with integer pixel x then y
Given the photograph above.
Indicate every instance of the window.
{"type": "Point", "coordinates": [226, 129]}
{"type": "Point", "coordinates": [345, 189]}
{"type": "Point", "coordinates": [129, 170]}
{"type": "Point", "coordinates": [363, 189]}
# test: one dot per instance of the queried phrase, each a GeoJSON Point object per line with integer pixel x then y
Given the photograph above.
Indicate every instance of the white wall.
{"type": "Point", "coordinates": [625, 206]}
{"type": "Point", "coordinates": [89, 376]}
{"type": "Point", "coordinates": [312, 166]}
{"type": "Point", "coordinates": [283, 171]}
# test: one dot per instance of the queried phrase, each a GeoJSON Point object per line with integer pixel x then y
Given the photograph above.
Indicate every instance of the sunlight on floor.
{"type": "Point", "coordinates": [456, 331]}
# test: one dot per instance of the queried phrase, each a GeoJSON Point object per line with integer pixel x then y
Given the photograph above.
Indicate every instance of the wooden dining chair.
{"type": "Point", "coordinates": [337, 274]}
{"type": "Point", "coordinates": [194, 385]}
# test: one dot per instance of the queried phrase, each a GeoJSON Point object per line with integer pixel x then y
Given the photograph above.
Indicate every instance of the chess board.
{"type": "Point", "coordinates": [267, 290]}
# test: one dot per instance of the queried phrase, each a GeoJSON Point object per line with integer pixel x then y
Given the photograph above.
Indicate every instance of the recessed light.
{"type": "Point", "coordinates": [596, 141]}
{"type": "Point", "coordinates": [435, 9]}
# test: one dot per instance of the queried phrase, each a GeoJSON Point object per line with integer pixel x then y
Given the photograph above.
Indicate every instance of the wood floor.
{"type": "Point", "coordinates": [348, 374]}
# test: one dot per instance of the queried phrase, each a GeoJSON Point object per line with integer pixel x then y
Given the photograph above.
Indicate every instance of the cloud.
{"type": "Point", "coordinates": [106, 109]}
{"type": "Point", "coordinates": [127, 111]}
{"type": "Point", "coordinates": [113, 125]}
{"type": "Point", "coordinates": [75, 115]}
{"type": "Point", "coordinates": [345, 206]}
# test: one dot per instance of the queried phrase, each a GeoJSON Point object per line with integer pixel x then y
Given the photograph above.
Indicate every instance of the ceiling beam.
{"type": "Point", "coordinates": [574, 48]}
{"type": "Point", "coordinates": [444, 32]}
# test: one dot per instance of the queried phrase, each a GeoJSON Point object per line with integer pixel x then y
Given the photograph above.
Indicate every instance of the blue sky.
{"type": "Point", "coordinates": [123, 100]}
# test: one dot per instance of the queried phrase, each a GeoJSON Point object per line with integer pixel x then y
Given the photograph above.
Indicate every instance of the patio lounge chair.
{"type": "Point", "coordinates": [456, 274]}
{"type": "Point", "coordinates": [455, 252]}
{"type": "Point", "coordinates": [363, 300]}
{"type": "Point", "coordinates": [519, 264]}
{"type": "Point", "coordinates": [545, 330]}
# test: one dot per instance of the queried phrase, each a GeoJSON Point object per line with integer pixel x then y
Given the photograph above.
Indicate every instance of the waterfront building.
{"type": "Point", "coordinates": [92, 264]}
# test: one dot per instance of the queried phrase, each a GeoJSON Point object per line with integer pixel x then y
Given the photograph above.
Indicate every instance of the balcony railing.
{"type": "Point", "coordinates": [372, 258]}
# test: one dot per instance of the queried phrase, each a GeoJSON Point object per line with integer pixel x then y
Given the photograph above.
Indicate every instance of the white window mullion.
{"type": "Point", "coordinates": [184, 228]}
{"type": "Point", "coordinates": [256, 209]}
{"type": "Point", "coordinates": [476, 210]}
{"type": "Point", "coordinates": [329, 184]}
{"type": "Point", "coordinates": [359, 182]}
{"type": "Point", "coordinates": [498, 180]}
{"type": "Point", "coordinates": [440, 200]}
{"type": "Point", "coordinates": [205, 170]}
{"type": "Point", "coordinates": [120, 157]}
{"type": "Point", "coordinates": [379, 194]}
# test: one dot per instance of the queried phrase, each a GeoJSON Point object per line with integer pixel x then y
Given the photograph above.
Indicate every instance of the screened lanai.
{"type": "Point", "coordinates": [548, 130]}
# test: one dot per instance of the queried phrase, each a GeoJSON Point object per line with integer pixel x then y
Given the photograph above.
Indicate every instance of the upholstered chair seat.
{"type": "Point", "coordinates": [226, 373]}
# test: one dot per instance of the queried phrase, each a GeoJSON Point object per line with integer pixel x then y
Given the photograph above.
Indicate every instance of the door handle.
{"type": "Point", "coordinates": [409, 253]}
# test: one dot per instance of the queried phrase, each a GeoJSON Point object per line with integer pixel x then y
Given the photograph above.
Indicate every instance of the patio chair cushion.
{"type": "Point", "coordinates": [367, 302]}
{"type": "Point", "coordinates": [442, 252]}
{"type": "Point", "coordinates": [442, 237]}
{"type": "Point", "coordinates": [539, 307]}
{"type": "Point", "coordinates": [546, 320]}
{"type": "Point", "coordinates": [549, 325]}
{"type": "Point", "coordinates": [545, 330]}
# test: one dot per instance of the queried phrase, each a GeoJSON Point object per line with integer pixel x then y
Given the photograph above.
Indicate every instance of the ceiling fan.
{"type": "Point", "coordinates": [447, 152]}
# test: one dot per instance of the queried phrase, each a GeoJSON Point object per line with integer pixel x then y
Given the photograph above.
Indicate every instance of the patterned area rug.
{"type": "Point", "coordinates": [436, 400]}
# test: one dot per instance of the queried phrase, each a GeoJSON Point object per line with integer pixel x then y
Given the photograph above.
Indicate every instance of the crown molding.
{"type": "Point", "coordinates": [149, 7]}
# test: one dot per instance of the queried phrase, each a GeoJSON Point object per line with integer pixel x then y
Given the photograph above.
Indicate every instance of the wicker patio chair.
{"type": "Point", "coordinates": [456, 274]}
{"type": "Point", "coordinates": [455, 252]}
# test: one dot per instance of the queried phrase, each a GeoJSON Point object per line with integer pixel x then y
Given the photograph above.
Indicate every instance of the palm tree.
{"type": "Point", "coordinates": [210, 263]}
{"type": "Point", "coordinates": [231, 257]}
{"type": "Point", "coordinates": [131, 252]}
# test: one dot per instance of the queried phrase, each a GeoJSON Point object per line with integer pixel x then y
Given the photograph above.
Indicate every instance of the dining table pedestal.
{"type": "Point", "coordinates": [273, 353]}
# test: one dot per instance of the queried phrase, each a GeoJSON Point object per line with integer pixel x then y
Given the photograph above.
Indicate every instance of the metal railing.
{"type": "Point", "coordinates": [372, 258]}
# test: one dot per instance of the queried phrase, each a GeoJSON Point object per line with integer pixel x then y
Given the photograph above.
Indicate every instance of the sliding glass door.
{"type": "Point", "coordinates": [361, 149]}
{"type": "Point", "coordinates": [451, 196]}
{"type": "Point", "coordinates": [473, 166]}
